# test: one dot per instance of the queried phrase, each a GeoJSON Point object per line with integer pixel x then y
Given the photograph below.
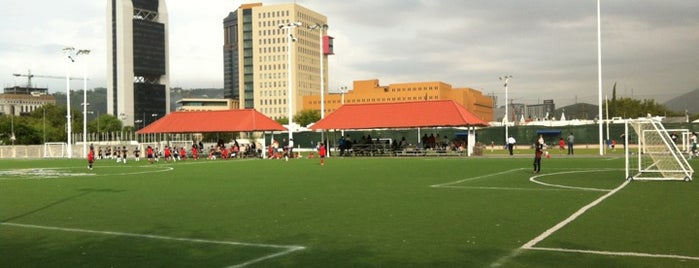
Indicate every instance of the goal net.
{"type": "Point", "coordinates": [656, 156]}
{"type": "Point", "coordinates": [55, 149]}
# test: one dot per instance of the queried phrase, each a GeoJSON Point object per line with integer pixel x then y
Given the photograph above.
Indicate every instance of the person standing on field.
{"type": "Point", "coordinates": [511, 144]}
{"type": "Point", "coordinates": [571, 140]}
{"type": "Point", "coordinates": [321, 153]}
{"type": "Point", "coordinates": [149, 154]}
{"type": "Point", "coordinates": [90, 157]}
{"type": "Point", "coordinates": [561, 145]}
{"type": "Point", "coordinates": [291, 148]}
{"type": "Point", "coordinates": [538, 152]}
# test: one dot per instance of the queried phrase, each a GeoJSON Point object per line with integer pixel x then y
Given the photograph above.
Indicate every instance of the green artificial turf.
{"type": "Point", "coordinates": [352, 212]}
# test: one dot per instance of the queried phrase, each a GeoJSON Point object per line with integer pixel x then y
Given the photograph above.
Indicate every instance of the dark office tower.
{"type": "Point", "coordinates": [137, 59]}
{"type": "Point", "coordinates": [231, 78]}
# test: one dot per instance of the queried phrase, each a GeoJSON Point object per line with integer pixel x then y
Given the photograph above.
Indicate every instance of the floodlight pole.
{"type": "Point", "coordinates": [322, 74]}
{"type": "Point", "coordinates": [290, 105]}
{"type": "Point", "coordinates": [599, 77]}
{"type": "Point", "coordinates": [343, 90]}
{"type": "Point", "coordinates": [70, 53]}
{"type": "Point", "coordinates": [506, 121]}
{"type": "Point", "coordinates": [320, 29]}
{"type": "Point", "coordinates": [84, 65]}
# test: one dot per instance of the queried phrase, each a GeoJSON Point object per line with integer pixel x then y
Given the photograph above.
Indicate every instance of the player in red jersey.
{"type": "Point", "coordinates": [90, 157]}
{"type": "Point", "coordinates": [321, 153]}
{"type": "Point", "coordinates": [195, 152]}
{"type": "Point", "coordinates": [149, 154]}
{"type": "Point", "coordinates": [167, 154]}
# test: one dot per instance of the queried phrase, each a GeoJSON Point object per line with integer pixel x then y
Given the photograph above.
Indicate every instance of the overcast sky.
{"type": "Point", "coordinates": [649, 48]}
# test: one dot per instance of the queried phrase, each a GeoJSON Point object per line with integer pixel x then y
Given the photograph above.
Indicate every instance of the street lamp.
{"type": "Point", "coordinates": [154, 117]}
{"type": "Point", "coordinates": [599, 76]}
{"type": "Point", "coordinates": [343, 90]}
{"type": "Point", "coordinates": [85, 104]}
{"type": "Point", "coordinates": [70, 53]}
{"type": "Point", "coordinates": [321, 28]}
{"type": "Point", "coordinates": [43, 108]}
{"type": "Point", "coordinates": [12, 124]}
{"type": "Point", "coordinates": [507, 80]}
{"type": "Point", "coordinates": [290, 39]}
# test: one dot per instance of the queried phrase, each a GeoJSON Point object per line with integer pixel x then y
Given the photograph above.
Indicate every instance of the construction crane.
{"type": "Point", "coordinates": [29, 77]}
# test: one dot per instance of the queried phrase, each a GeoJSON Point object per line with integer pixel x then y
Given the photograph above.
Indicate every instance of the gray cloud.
{"type": "Point", "coordinates": [550, 47]}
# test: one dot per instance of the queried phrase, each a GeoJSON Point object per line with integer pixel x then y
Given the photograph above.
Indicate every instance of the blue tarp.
{"type": "Point", "coordinates": [548, 132]}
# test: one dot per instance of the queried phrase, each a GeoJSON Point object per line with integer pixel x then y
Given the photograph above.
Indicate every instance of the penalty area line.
{"type": "Point", "coordinates": [475, 178]}
{"type": "Point", "coordinates": [534, 180]}
{"type": "Point", "coordinates": [571, 218]}
{"type": "Point", "coordinates": [614, 253]}
{"type": "Point", "coordinates": [287, 249]}
{"type": "Point", "coordinates": [530, 245]}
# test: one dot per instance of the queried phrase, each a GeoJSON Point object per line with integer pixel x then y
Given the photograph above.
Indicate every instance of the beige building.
{"type": "Point", "coordinates": [370, 91]}
{"type": "Point", "coordinates": [195, 104]}
{"type": "Point", "coordinates": [256, 56]}
{"type": "Point", "coordinates": [22, 100]}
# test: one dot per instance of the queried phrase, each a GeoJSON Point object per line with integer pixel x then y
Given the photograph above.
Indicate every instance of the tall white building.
{"type": "Point", "coordinates": [137, 59]}
{"type": "Point", "coordinates": [256, 57]}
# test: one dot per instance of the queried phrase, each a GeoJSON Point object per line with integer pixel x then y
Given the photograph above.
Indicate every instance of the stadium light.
{"type": "Point", "coordinates": [507, 80]}
{"type": "Point", "coordinates": [343, 90]}
{"type": "Point", "coordinates": [599, 78]}
{"type": "Point", "coordinates": [85, 104]}
{"type": "Point", "coordinates": [70, 54]}
{"type": "Point", "coordinates": [321, 28]}
{"type": "Point", "coordinates": [290, 39]}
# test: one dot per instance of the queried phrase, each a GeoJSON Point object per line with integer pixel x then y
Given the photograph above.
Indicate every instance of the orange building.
{"type": "Point", "coordinates": [369, 91]}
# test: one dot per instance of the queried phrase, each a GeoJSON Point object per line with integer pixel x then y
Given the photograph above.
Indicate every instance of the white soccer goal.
{"type": "Point", "coordinates": [55, 149]}
{"type": "Point", "coordinates": [656, 156]}
{"type": "Point", "coordinates": [179, 144]}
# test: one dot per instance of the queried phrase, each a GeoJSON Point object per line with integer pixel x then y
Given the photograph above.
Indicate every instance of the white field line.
{"type": "Point", "coordinates": [533, 179]}
{"type": "Point", "coordinates": [571, 218]}
{"type": "Point", "coordinates": [286, 249]}
{"type": "Point", "coordinates": [549, 232]}
{"type": "Point", "coordinates": [502, 188]}
{"type": "Point", "coordinates": [64, 172]}
{"type": "Point", "coordinates": [612, 253]}
{"type": "Point", "coordinates": [475, 178]}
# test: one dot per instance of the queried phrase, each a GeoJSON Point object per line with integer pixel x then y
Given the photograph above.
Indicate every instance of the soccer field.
{"type": "Point", "coordinates": [352, 212]}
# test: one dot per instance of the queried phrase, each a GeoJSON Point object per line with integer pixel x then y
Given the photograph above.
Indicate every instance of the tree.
{"type": "Point", "coordinates": [283, 120]}
{"type": "Point", "coordinates": [612, 106]}
{"type": "Point", "coordinates": [105, 123]}
{"type": "Point", "coordinates": [633, 108]}
{"type": "Point", "coordinates": [50, 121]}
{"type": "Point", "coordinates": [306, 117]}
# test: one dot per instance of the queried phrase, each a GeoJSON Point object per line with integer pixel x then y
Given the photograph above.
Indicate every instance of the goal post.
{"type": "Point", "coordinates": [656, 156]}
{"type": "Point", "coordinates": [55, 149]}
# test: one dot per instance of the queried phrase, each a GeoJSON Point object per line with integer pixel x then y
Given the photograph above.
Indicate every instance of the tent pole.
{"type": "Point", "coordinates": [264, 146]}
{"type": "Point", "coordinates": [418, 137]}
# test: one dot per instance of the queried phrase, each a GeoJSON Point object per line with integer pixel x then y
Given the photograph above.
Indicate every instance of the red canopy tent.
{"type": "Point", "coordinates": [442, 113]}
{"type": "Point", "coordinates": [212, 121]}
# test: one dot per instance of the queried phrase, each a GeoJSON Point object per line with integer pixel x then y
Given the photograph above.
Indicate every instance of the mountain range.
{"type": "Point", "coordinates": [688, 102]}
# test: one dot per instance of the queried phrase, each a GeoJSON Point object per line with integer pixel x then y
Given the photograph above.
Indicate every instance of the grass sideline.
{"type": "Point", "coordinates": [352, 212]}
